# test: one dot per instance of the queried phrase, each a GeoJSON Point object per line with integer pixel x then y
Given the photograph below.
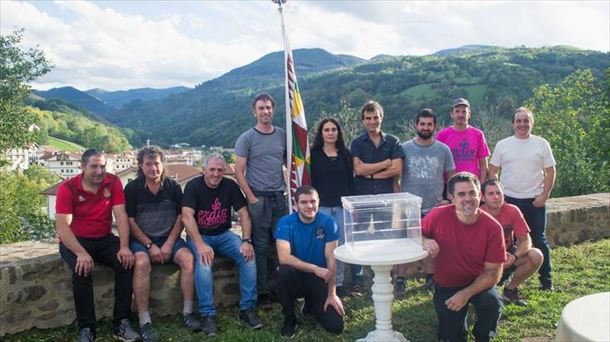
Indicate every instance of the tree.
{"type": "Point", "coordinates": [17, 67]}
{"type": "Point", "coordinates": [574, 117]}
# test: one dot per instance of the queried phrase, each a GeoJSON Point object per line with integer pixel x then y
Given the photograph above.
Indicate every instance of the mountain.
{"type": "Point", "coordinates": [121, 97]}
{"type": "Point", "coordinates": [495, 80]}
{"type": "Point", "coordinates": [78, 98]}
{"type": "Point", "coordinates": [463, 50]}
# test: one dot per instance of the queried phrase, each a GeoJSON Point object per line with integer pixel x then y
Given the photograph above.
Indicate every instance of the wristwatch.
{"type": "Point", "coordinates": [148, 245]}
{"type": "Point", "coordinates": [248, 240]}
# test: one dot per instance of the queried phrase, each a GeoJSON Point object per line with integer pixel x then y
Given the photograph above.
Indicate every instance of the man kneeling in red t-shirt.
{"type": "Point", "coordinates": [523, 260]}
{"type": "Point", "coordinates": [468, 249]}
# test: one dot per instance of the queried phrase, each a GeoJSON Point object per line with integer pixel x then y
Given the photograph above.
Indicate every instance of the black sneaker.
{"type": "Point", "coordinates": [429, 285]}
{"type": "Point", "coordinates": [356, 290]}
{"type": "Point", "coordinates": [209, 326]}
{"type": "Point", "coordinates": [124, 332]}
{"type": "Point", "coordinates": [251, 319]}
{"type": "Point", "coordinates": [305, 310]}
{"type": "Point", "coordinates": [264, 301]}
{"type": "Point", "coordinates": [191, 322]}
{"type": "Point", "coordinates": [148, 333]}
{"type": "Point", "coordinates": [86, 335]}
{"type": "Point", "coordinates": [546, 285]}
{"type": "Point", "coordinates": [289, 329]}
{"type": "Point", "coordinates": [513, 297]}
{"type": "Point", "coordinates": [400, 290]}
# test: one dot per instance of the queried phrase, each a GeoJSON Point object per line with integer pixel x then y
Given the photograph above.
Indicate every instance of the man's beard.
{"type": "Point", "coordinates": [425, 134]}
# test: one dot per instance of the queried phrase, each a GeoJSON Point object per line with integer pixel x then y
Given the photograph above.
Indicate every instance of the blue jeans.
{"type": "Point", "coordinates": [536, 220]}
{"type": "Point", "coordinates": [355, 270]}
{"type": "Point", "coordinates": [226, 244]}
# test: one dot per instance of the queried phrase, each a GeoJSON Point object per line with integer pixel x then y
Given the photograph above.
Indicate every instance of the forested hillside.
{"type": "Point", "coordinates": [59, 119]}
{"type": "Point", "coordinates": [496, 80]}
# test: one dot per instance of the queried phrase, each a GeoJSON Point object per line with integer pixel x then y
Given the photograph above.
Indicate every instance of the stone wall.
{"type": "Point", "coordinates": [35, 286]}
{"type": "Point", "coordinates": [36, 289]}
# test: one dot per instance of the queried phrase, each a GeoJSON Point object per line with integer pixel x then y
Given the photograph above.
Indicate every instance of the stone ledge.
{"type": "Point", "coordinates": [36, 292]}
{"type": "Point", "coordinates": [36, 289]}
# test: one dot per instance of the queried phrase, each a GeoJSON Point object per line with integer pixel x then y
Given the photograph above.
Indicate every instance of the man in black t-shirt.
{"type": "Point", "coordinates": [206, 214]}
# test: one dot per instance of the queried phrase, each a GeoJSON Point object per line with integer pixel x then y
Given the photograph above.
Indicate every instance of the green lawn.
{"type": "Point", "coordinates": [579, 270]}
{"type": "Point", "coordinates": [64, 145]}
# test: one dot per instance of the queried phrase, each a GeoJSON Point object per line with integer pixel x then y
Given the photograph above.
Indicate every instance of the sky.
{"type": "Point", "coordinates": [118, 45]}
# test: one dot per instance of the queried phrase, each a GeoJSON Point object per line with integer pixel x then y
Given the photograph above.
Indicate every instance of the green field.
{"type": "Point", "coordinates": [579, 270]}
{"type": "Point", "coordinates": [64, 145]}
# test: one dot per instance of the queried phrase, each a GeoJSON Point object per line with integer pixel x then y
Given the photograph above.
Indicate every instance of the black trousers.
{"type": "Point", "coordinates": [452, 325]}
{"type": "Point", "coordinates": [293, 284]}
{"type": "Point", "coordinates": [103, 251]}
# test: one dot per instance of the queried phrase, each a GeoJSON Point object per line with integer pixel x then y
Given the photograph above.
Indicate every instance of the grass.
{"type": "Point", "coordinates": [64, 145]}
{"type": "Point", "coordinates": [578, 270]}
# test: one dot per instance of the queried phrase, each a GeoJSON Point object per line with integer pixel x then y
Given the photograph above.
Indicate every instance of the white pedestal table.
{"type": "Point", "coordinates": [585, 319]}
{"type": "Point", "coordinates": [381, 255]}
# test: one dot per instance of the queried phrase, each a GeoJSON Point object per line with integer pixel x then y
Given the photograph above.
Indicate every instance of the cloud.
{"type": "Point", "coordinates": [120, 45]}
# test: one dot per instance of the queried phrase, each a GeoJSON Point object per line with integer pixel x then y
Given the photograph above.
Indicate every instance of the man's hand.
{"type": "Point", "coordinates": [126, 257]}
{"type": "Point", "coordinates": [155, 254]}
{"type": "Point", "coordinates": [252, 200]}
{"type": "Point", "coordinates": [510, 260]}
{"type": "Point", "coordinates": [431, 247]}
{"type": "Point", "coordinates": [84, 264]}
{"type": "Point", "coordinates": [457, 301]}
{"type": "Point", "coordinates": [206, 255]}
{"type": "Point", "coordinates": [166, 251]}
{"type": "Point", "coordinates": [540, 200]}
{"type": "Point", "coordinates": [323, 273]}
{"type": "Point", "coordinates": [247, 251]}
{"type": "Point", "coordinates": [335, 302]}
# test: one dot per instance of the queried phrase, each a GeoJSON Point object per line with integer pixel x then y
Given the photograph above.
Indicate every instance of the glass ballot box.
{"type": "Point", "coordinates": [382, 226]}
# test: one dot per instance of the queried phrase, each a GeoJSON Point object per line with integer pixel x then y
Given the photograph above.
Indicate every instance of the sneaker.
{"type": "Point", "coordinates": [513, 297]}
{"type": "Point", "coordinates": [124, 332]}
{"type": "Point", "coordinates": [341, 293]}
{"type": "Point", "coordinates": [191, 322]}
{"type": "Point", "coordinates": [429, 285]}
{"type": "Point", "coordinates": [264, 301]}
{"type": "Point", "coordinates": [356, 290]}
{"type": "Point", "coordinates": [399, 288]}
{"type": "Point", "coordinates": [209, 325]}
{"type": "Point", "coordinates": [305, 310]}
{"type": "Point", "coordinates": [289, 329]}
{"type": "Point", "coordinates": [251, 319]}
{"type": "Point", "coordinates": [546, 285]}
{"type": "Point", "coordinates": [86, 335]}
{"type": "Point", "coordinates": [148, 333]}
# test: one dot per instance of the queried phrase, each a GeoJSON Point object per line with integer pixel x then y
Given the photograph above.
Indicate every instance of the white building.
{"type": "Point", "coordinates": [64, 164]}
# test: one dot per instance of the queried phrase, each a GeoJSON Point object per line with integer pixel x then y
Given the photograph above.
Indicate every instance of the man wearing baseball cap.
{"type": "Point", "coordinates": [468, 145]}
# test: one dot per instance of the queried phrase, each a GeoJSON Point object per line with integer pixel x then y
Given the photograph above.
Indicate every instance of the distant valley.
{"type": "Point", "coordinates": [215, 112]}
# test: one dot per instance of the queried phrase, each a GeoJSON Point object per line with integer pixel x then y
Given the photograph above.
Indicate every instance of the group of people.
{"type": "Point", "coordinates": [283, 257]}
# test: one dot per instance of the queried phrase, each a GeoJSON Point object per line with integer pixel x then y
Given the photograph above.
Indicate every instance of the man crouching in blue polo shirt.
{"type": "Point", "coordinates": [306, 241]}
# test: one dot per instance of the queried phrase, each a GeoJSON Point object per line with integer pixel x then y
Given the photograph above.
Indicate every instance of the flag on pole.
{"type": "Point", "coordinates": [296, 126]}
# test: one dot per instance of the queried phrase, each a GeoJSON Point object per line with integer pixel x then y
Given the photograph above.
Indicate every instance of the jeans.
{"type": "Point", "coordinates": [536, 220]}
{"type": "Point", "coordinates": [355, 270]}
{"type": "Point", "coordinates": [104, 251]}
{"type": "Point", "coordinates": [263, 227]}
{"type": "Point", "coordinates": [292, 284]}
{"type": "Point", "coordinates": [452, 325]}
{"type": "Point", "coordinates": [226, 244]}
